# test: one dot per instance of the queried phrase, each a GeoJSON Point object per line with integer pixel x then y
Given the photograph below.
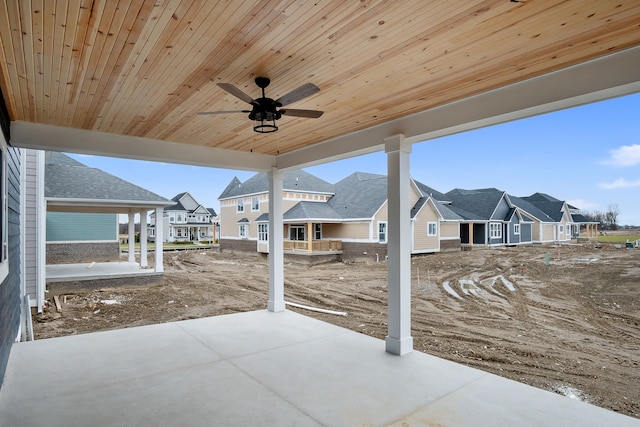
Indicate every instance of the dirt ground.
{"type": "Point", "coordinates": [562, 318]}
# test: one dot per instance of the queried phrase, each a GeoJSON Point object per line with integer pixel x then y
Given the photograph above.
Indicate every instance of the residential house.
{"type": "Point", "coordinates": [544, 227]}
{"type": "Point", "coordinates": [348, 218]}
{"type": "Point", "coordinates": [242, 205]}
{"type": "Point", "coordinates": [186, 221]}
{"type": "Point", "coordinates": [558, 210]}
{"type": "Point", "coordinates": [71, 216]}
{"type": "Point", "coordinates": [489, 218]}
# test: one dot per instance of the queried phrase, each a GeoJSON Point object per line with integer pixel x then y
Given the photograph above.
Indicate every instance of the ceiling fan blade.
{"type": "Point", "coordinates": [207, 113]}
{"type": "Point", "coordinates": [303, 91]}
{"type": "Point", "coordinates": [312, 114]}
{"type": "Point", "coordinates": [236, 92]}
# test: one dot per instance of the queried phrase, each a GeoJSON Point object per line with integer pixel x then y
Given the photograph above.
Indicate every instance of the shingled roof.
{"type": "Point", "coordinates": [66, 178]}
{"type": "Point", "coordinates": [359, 195]}
{"type": "Point", "coordinates": [478, 204]}
{"type": "Point", "coordinates": [547, 204]}
{"type": "Point", "coordinates": [296, 180]}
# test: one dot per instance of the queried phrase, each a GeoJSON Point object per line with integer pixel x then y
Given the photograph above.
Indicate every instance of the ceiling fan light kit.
{"type": "Point", "coordinates": [265, 111]}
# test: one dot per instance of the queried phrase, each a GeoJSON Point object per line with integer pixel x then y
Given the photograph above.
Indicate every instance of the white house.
{"type": "Point", "coordinates": [187, 220]}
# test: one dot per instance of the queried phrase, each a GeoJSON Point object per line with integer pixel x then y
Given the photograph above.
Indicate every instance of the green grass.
{"type": "Point", "coordinates": [618, 239]}
{"type": "Point", "coordinates": [151, 246]}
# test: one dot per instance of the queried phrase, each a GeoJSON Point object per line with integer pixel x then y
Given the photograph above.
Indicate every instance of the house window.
{"type": "Point", "coordinates": [240, 205]}
{"type": "Point", "coordinates": [561, 228]}
{"type": "Point", "coordinates": [317, 231]}
{"type": "Point", "coordinates": [495, 230]}
{"type": "Point", "coordinates": [382, 232]}
{"type": "Point", "coordinates": [432, 229]}
{"type": "Point", "coordinates": [179, 232]}
{"type": "Point", "coordinates": [172, 218]}
{"type": "Point", "coordinates": [516, 229]}
{"type": "Point", "coordinates": [296, 232]}
{"type": "Point", "coordinates": [179, 218]}
{"type": "Point", "coordinates": [242, 231]}
{"type": "Point", "coordinates": [263, 232]}
{"type": "Point", "coordinates": [255, 203]}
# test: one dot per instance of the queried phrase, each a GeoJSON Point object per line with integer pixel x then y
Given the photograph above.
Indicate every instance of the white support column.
{"type": "Point", "coordinates": [143, 239]}
{"type": "Point", "coordinates": [399, 340]}
{"type": "Point", "coordinates": [132, 237]}
{"type": "Point", "coordinates": [276, 242]}
{"type": "Point", "coordinates": [159, 226]}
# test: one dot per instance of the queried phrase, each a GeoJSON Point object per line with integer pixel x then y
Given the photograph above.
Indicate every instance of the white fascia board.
{"type": "Point", "coordinates": [57, 138]}
{"type": "Point", "coordinates": [55, 201]}
{"type": "Point", "coordinates": [592, 81]}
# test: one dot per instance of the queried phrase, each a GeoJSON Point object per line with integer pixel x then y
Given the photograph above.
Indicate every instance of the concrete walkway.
{"type": "Point", "coordinates": [268, 369]}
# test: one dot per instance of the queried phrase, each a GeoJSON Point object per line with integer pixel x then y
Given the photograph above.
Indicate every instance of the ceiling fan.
{"type": "Point", "coordinates": [265, 111]}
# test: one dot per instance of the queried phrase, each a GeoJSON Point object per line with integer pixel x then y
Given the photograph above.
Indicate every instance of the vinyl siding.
{"type": "Point", "coordinates": [72, 226]}
{"type": "Point", "coordinates": [421, 240]}
{"type": "Point", "coordinates": [10, 286]}
{"type": "Point", "coordinates": [382, 214]}
{"type": "Point", "coordinates": [347, 231]}
{"type": "Point", "coordinates": [30, 182]}
{"type": "Point", "coordinates": [547, 232]}
{"type": "Point", "coordinates": [449, 230]}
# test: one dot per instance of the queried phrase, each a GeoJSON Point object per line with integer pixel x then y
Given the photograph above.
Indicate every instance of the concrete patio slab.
{"type": "Point", "coordinates": [262, 368]}
{"type": "Point", "coordinates": [92, 271]}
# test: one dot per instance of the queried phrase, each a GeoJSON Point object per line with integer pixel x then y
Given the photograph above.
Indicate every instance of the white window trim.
{"type": "Point", "coordinates": [516, 229]}
{"type": "Point", "coordinates": [495, 230]}
{"type": "Point", "coordinates": [317, 231]}
{"type": "Point", "coordinates": [242, 231]}
{"type": "Point", "coordinates": [254, 199]}
{"type": "Point", "coordinates": [263, 232]}
{"type": "Point", "coordinates": [240, 205]}
{"type": "Point", "coordinates": [386, 231]}
{"type": "Point", "coordinates": [435, 226]}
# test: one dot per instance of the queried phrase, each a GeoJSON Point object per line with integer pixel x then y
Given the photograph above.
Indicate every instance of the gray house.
{"type": "Point", "coordinates": [488, 217]}
{"type": "Point", "coordinates": [71, 216]}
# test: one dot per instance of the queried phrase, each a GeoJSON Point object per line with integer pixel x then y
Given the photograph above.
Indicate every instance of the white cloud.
{"type": "Point", "coordinates": [627, 155]}
{"type": "Point", "coordinates": [583, 205]}
{"type": "Point", "coordinates": [619, 183]}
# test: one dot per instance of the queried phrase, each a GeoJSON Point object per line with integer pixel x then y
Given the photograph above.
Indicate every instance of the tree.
{"type": "Point", "coordinates": [612, 216]}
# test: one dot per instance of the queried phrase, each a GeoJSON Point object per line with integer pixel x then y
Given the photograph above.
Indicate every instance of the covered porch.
{"type": "Point", "coordinates": [261, 368]}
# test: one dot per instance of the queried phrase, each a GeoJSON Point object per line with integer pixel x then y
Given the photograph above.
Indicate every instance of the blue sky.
{"type": "Point", "coordinates": [588, 156]}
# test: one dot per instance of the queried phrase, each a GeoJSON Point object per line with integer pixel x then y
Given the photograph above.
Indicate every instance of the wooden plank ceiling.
{"type": "Point", "coordinates": [146, 68]}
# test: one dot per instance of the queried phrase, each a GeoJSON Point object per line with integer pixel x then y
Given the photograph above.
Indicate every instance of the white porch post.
{"type": "Point", "coordinates": [276, 242]}
{"type": "Point", "coordinates": [159, 226]}
{"type": "Point", "coordinates": [399, 340]}
{"type": "Point", "coordinates": [143, 239]}
{"type": "Point", "coordinates": [132, 237]}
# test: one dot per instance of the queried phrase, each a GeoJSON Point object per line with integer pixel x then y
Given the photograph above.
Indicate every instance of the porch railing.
{"type": "Point", "coordinates": [316, 245]}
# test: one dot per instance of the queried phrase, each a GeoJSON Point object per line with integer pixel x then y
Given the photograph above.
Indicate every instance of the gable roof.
{"type": "Point", "coordinates": [68, 179]}
{"type": "Point", "coordinates": [295, 180]}
{"type": "Point", "coordinates": [547, 204]}
{"type": "Point", "coordinates": [359, 195]}
{"type": "Point", "coordinates": [530, 209]}
{"type": "Point", "coordinates": [429, 191]}
{"type": "Point", "coordinates": [479, 204]}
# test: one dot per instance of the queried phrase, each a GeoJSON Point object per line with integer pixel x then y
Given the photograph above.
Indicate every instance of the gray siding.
{"type": "Point", "coordinates": [525, 233]}
{"type": "Point", "coordinates": [30, 181]}
{"type": "Point", "coordinates": [501, 211]}
{"type": "Point", "coordinates": [514, 238]}
{"type": "Point", "coordinates": [10, 287]}
{"type": "Point", "coordinates": [72, 226]}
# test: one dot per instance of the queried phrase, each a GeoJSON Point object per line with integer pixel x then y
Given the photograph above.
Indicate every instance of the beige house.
{"type": "Point", "coordinates": [348, 219]}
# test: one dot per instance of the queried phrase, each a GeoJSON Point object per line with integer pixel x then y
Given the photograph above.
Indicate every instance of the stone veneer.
{"type": "Point", "coordinates": [70, 253]}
